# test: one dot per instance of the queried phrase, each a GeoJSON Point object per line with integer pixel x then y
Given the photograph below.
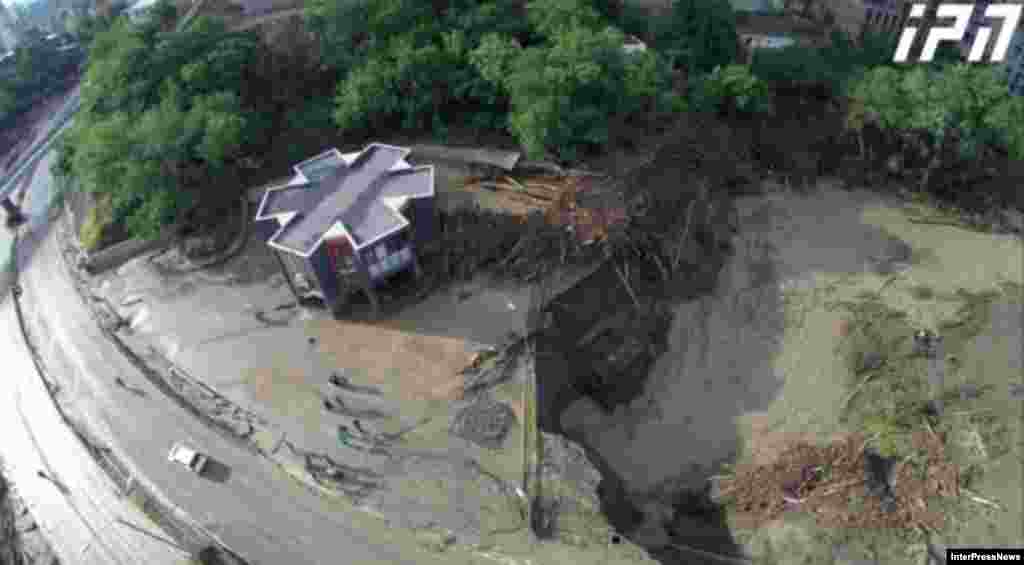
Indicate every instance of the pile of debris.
{"type": "Point", "coordinates": [584, 204]}
{"type": "Point", "coordinates": [519, 248]}
{"type": "Point", "coordinates": [840, 484]}
{"type": "Point", "coordinates": [355, 482]}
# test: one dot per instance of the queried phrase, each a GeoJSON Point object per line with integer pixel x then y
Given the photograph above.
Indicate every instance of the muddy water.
{"type": "Point", "coordinates": [757, 363]}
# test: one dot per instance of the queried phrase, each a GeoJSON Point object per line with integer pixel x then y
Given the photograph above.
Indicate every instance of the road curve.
{"type": "Point", "coordinates": [84, 517]}
{"type": "Point", "coordinates": [258, 512]}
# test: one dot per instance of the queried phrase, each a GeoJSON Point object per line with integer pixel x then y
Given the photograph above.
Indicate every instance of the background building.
{"type": "Point", "coordinates": [9, 28]}
{"type": "Point", "coordinates": [857, 16]}
{"type": "Point", "coordinates": [1015, 64]}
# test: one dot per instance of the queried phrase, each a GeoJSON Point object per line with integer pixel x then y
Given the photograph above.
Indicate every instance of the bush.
{"type": "Point", "coordinates": [97, 222]}
{"type": "Point", "coordinates": [731, 88]}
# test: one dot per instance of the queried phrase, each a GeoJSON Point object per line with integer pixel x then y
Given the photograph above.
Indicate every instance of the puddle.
{"type": "Point", "coordinates": [766, 360]}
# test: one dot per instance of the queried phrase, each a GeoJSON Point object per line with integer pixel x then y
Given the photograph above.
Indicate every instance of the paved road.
{"type": "Point", "coordinates": [83, 526]}
{"type": "Point", "coordinates": [257, 511]}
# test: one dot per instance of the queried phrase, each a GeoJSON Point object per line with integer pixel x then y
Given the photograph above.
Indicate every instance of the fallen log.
{"type": "Point", "coordinates": [540, 166]}
{"type": "Point", "coordinates": [514, 190]}
{"type": "Point", "coordinates": [548, 187]}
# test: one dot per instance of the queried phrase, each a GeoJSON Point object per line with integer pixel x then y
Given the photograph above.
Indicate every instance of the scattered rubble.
{"type": "Point", "coordinates": [491, 368]}
{"type": "Point", "coordinates": [354, 482]}
{"type": "Point", "coordinates": [831, 483]}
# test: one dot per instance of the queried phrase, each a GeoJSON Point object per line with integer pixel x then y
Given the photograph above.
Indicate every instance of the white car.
{"type": "Point", "coordinates": [190, 458]}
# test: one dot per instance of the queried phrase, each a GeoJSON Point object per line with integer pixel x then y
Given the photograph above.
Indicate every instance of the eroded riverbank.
{"type": "Point", "coordinates": [765, 360]}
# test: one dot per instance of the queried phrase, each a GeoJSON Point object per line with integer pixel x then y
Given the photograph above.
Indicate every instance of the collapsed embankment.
{"type": "Point", "coordinates": [755, 362]}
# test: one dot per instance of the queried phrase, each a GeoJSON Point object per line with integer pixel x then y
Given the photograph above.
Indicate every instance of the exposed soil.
{"type": "Point", "coordinates": [829, 482]}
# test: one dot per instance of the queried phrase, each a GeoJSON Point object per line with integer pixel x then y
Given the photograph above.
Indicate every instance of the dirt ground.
{"type": "Point", "coordinates": [402, 365]}
{"type": "Point", "coordinates": [829, 482]}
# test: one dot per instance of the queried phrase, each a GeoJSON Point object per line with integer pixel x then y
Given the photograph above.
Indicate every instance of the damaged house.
{"type": "Point", "coordinates": [347, 222]}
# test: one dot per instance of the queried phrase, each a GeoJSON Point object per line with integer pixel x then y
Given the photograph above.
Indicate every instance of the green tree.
{"type": "Point", "coordinates": [1007, 117]}
{"type": "Point", "coordinates": [163, 119]}
{"type": "Point", "coordinates": [349, 30]}
{"type": "Point", "coordinates": [700, 34]}
{"type": "Point", "coordinates": [564, 93]}
{"type": "Point", "coordinates": [730, 89]}
{"type": "Point", "coordinates": [342, 28]}
{"type": "Point", "coordinates": [930, 103]}
{"type": "Point", "coordinates": [423, 87]}
{"type": "Point", "coordinates": [554, 17]}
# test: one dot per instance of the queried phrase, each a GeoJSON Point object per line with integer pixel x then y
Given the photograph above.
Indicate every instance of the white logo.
{"type": "Point", "coordinates": [1008, 13]}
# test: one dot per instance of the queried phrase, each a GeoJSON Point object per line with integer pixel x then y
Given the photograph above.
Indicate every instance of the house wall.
{"type": "Point", "coordinates": [320, 264]}
{"type": "Point", "coordinates": [265, 229]}
{"type": "Point", "coordinates": [423, 212]}
{"type": "Point", "coordinates": [396, 256]}
{"type": "Point", "coordinates": [852, 16]}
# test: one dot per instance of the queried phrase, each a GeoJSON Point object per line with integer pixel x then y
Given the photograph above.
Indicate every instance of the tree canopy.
{"type": "Point", "coordinates": [163, 117]}
{"type": "Point", "coordinates": [700, 34]}
{"type": "Point", "coordinates": [972, 100]}
{"type": "Point", "coordinates": [551, 75]}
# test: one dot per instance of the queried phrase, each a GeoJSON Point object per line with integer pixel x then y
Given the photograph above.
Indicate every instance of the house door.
{"type": "Point", "coordinates": [342, 262]}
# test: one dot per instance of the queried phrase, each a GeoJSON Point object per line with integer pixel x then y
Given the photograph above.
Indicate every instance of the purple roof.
{"type": "Point", "coordinates": [354, 194]}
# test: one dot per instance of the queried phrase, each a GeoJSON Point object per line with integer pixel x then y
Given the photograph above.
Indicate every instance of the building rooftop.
{"type": "Point", "coordinates": [361, 193]}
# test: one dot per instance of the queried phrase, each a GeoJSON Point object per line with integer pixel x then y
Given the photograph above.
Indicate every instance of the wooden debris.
{"type": "Point", "coordinates": [984, 501]}
{"type": "Point", "coordinates": [540, 166]}
{"type": "Point", "coordinates": [855, 391]}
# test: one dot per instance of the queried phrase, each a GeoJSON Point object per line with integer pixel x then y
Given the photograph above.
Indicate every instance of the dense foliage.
{"type": "Point", "coordinates": [699, 35]}
{"type": "Point", "coordinates": [731, 89]}
{"type": "Point", "coordinates": [552, 75]}
{"type": "Point", "coordinates": [163, 118]}
{"type": "Point", "coordinates": [422, 88]}
{"type": "Point", "coordinates": [970, 101]}
{"type": "Point", "coordinates": [564, 92]}
{"type": "Point", "coordinates": [832, 65]}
